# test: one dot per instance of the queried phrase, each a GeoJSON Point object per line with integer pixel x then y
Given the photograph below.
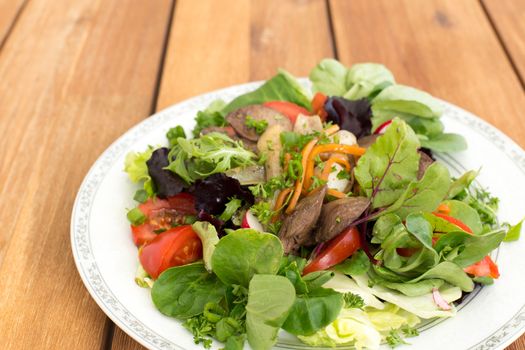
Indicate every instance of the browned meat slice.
{"type": "Point", "coordinates": [298, 226]}
{"type": "Point", "coordinates": [237, 120]}
{"type": "Point", "coordinates": [338, 215]}
{"type": "Point", "coordinates": [424, 163]}
{"type": "Point", "coordinates": [367, 141]}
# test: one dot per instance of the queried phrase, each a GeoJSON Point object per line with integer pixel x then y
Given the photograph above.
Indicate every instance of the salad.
{"type": "Point", "coordinates": [326, 216]}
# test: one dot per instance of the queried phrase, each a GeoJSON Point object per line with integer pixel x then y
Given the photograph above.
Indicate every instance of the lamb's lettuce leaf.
{"type": "Point", "coordinates": [270, 299]}
{"type": "Point", "coordinates": [282, 87]}
{"type": "Point", "coordinates": [245, 252]}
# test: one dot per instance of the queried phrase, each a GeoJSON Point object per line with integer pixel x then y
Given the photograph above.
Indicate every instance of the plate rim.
{"type": "Point", "coordinates": [147, 337]}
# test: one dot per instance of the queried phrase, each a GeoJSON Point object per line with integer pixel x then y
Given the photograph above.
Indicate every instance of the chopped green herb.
{"type": "Point", "coordinates": [136, 217]}
{"type": "Point", "coordinates": [343, 175]}
{"type": "Point", "coordinates": [263, 212]}
{"type": "Point", "coordinates": [141, 196]}
{"type": "Point", "coordinates": [393, 339]}
{"type": "Point", "coordinates": [317, 182]}
{"type": "Point", "coordinates": [258, 125]}
{"type": "Point", "coordinates": [338, 219]}
{"type": "Point", "coordinates": [353, 301]}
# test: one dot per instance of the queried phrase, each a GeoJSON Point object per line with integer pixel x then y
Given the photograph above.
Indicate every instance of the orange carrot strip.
{"type": "Point", "coordinates": [299, 183]}
{"type": "Point", "coordinates": [443, 209]}
{"type": "Point", "coordinates": [279, 202]}
{"type": "Point", "coordinates": [331, 161]}
{"type": "Point", "coordinates": [287, 158]}
{"type": "Point", "coordinates": [332, 130]}
{"type": "Point", "coordinates": [335, 193]}
{"type": "Point", "coordinates": [331, 147]}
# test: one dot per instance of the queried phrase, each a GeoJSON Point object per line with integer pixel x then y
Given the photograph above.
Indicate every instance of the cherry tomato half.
{"type": "Point", "coordinates": [484, 268]}
{"type": "Point", "coordinates": [289, 109]}
{"type": "Point", "coordinates": [335, 251]}
{"type": "Point", "coordinates": [175, 247]}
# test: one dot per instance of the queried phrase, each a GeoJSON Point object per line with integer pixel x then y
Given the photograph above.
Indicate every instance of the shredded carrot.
{"type": "Point", "coordinates": [299, 183]}
{"type": "Point", "coordinates": [332, 130]}
{"type": "Point", "coordinates": [443, 209]}
{"type": "Point", "coordinates": [332, 147]}
{"type": "Point", "coordinates": [335, 193]}
{"type": "Point", "coordinates": [279, 202]}
{"type": "Point", "coordinates": [287, 158]}
{"type": "Point", "coordinates": [331, 161]}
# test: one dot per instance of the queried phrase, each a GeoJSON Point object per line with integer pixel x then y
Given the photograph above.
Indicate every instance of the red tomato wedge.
{"type": "Point", "coordinates": [454, 221]}
{"type": "Point", "coordinates": [162, 215]}
{"type": "Point", "coordinates": [175, 247]}
{"type": "Point", "coordinates": [335, 251]}
{"type": "Point", "coordinates": [289, 109]}
{"type": "Point", "coordinates": [484, 268]}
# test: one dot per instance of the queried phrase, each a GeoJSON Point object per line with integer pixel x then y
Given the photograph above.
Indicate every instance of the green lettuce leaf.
{"type": "Point", "coordinates": [389, 165]}
{"type": "Point", "coordinates": [446, 142]}
{"type": "Point", "coordinates": [209, 238]}
{"type": "Point", "coordinates": [282, 87]}
{"type": "Point", "coordinates": [213, 115]}
{"type": "Point", "coordinates": [137, 170]}
{"type": "Point", "coordinates": [405, 99]}
{"type": "Point", "coordinates": [466, 214]}
{"type": "Point", "coordinates": [462, 183]}
{"type": "Point", "coordinates": [367, 79]}
{"type": "Point", "coordinates": [329, 77]}
{"type": "Point", "coordinates": [514, 232]}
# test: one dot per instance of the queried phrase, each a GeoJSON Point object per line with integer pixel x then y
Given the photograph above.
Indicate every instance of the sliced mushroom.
{"type": "Point", "coordinates": [250, 175]}
{"type": "Point", "coordinates": [270, 144]}
{"type": "Point", "coordinates": [338, 215]}
{"type": "Point", "coordinates": [237, 120]}
{"type": "Point", "coordinates": [305, 124]}
{"type": "Point", "coordinates": [424, 162]}
{"type": "Point", "coordinates": [297, 227]}
{"type": "Point", "coordinates": [367, 141]}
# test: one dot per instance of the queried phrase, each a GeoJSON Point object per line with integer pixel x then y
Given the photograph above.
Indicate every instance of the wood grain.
{"type": "Point", "coordinates": [446, 47]}
{"type": "Point", "coordinates": [508, 18]}
{"type": "Point", "coordinates": [75, 75]}
{"type": "Point", "coordinates": [9, 12]}
{"type": "Point", "coordinates": [235, 42]}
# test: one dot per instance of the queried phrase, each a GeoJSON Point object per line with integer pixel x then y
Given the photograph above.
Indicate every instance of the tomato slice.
{"type": "Point", "coordinates": [175, 247]}
{"type": "Point", "coordinates": [184, 203]}
{"type": "Point", "coordinates": [337, 250]}
{"type": "Point", "coordinates": [142, 234]}
{"type": "Point", "coordinates": [153, 204]}
{"type": "Point", "coordinates": [454, 221]}
{"type": "Point", "coordinates": [484, 268]}
{"type": "Point", "coordinates": [289, 109]}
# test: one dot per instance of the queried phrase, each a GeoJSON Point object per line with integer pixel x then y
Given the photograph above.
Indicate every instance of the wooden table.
{"type": "Point", "coordinates": [74, 75]}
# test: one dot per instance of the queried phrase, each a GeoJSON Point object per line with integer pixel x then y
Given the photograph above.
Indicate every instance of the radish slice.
{"type": "Point", "coordinates": [440, 302]}
{"type": "Point", "coordinates": [382, 128]}
{"type": "Point", "coordinates": [250, 221]}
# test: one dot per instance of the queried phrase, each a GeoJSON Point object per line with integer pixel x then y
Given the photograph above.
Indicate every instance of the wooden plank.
{"type": "Point", "coordinates": [75, 75]}
{"type": "Point", "coordinates": [508, 18]}
{"type": "Point", "coordinates": [9, 12]}
{"type": "Point", "coordinates": [446, 47]}
{"type": "Point", "coordinates": [257, 38]}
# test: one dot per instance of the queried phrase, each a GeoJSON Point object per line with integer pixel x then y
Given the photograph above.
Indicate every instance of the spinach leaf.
{"type": "Point", "coordinates": [357, 264]}
{"type": "Point", "coordinates": [465, 214]}
{"type": "Point", "coordinates": [414, 289]}
{"type": "Point", "coordinates": [440, 225]}
{"type": "Point", "coordinates": [246, 252]}
{"type": "Point", "coordinates": [514, 232]}
{"type": "Point", "coordinates": [270, 299]}
{"type": "Point", "coordinates": [423, 195]}
{"type": "Point", "coordinates": [445, 142]}
{"type": "Point", "coordinates": [389, 165]}
{"type": "Point", "coordinates": [465, 249]}
{"type": "Point", "coordinates": [462, 183]}
{"type": "Point", "coordinates": [405, 99]}
{"type": "Point", "coordinates": [313, 311]}
{"type": "Point", "coordinates": [450, 273]}
{"type": "Point", "coordinates": [282, 87]}
{"type": "Point", "coordinates": [183, 291]}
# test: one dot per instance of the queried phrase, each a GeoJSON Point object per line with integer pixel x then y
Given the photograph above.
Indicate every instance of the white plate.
{"type": "Point", "coordinates": [490, 318]}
